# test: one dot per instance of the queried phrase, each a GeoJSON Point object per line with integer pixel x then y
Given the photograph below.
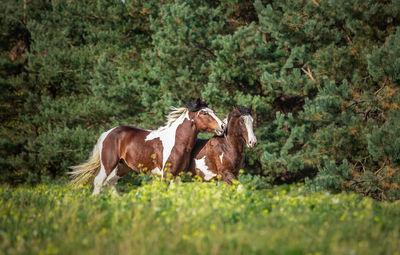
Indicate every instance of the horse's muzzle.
{"type": "Point", "coordinates": [251, 143]}
{"type": "Point", "coordinates": [219, 131]}
{"type": "Point", "coordinates": [224, 126]}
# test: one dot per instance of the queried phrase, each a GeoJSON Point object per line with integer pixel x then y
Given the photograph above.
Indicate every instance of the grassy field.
{"type": "Point", "coordinates": [194, 218]}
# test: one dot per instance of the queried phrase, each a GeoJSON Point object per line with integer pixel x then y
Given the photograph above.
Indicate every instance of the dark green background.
{"type": "Point", "coordinates": [322, 77]}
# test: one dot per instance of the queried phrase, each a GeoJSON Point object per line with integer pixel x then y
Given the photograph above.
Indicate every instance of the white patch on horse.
{"type": "Point", "coordinates": [167, 136]}
{"type": "Point", "coordinates": [99, 180]}
{"type": "Point", "coordinates": [156, 171]}
{"type": "Point", "coordinates": [201, 165]}
{"type": "Point", "coordinates": [101, 176]}
{"type": "Point", "coordinates": [248, 121]}
{"type": "Point", "coordinates": [221, 157]}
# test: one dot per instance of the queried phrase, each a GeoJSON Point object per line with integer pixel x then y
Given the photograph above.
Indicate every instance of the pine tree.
{"type": "Point", "coordinates": [322, 77]}
{"type": "Point", "coordinates": [330, 44]}
{"type": "Point", "coordinates": [72, 84]}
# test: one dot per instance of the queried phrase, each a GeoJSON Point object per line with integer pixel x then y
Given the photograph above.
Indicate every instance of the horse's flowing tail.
{"type": "Point", "coordinates": [86, 171]}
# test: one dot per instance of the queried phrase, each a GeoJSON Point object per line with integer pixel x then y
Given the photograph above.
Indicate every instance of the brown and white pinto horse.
{"type": "Point", "coordinates": [125, 148]}
{"type": "Point", "coordinates": [224, 155]}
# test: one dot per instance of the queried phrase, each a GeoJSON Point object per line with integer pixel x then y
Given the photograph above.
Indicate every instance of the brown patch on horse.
{"type": "Point", "coordinates": [125, 141]}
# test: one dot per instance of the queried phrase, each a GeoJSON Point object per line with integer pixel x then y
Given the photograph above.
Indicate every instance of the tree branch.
{"type": "Point", "coordinates": [308, 73]}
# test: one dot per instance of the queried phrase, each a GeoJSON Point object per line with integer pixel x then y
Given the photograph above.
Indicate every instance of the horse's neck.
{"type": "Point", "coordinates": [235, 141]}
{"type": "Point", "coordinates": [186, 134]}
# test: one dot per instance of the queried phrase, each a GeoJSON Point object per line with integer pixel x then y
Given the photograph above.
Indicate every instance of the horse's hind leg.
{"type": "Point", "coordinates": [119, 170]}
{"type": "Point", "coordinates": [112, 179]}
{"type": "Point", "coordinates": [108, 159]}
{"type": "Point", "coordinates": [99, 180]}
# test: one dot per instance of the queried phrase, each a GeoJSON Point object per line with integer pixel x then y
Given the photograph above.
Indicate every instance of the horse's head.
{"type": "Point", "coordinates": [240, 123]}
{"type": "Point", "coordinates": [204, 118]}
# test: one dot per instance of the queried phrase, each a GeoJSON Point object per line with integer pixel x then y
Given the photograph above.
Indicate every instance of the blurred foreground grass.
{"type": "Point", "coordinates": [194, 218]}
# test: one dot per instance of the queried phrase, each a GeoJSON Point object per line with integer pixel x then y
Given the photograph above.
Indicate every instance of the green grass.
{"type": "Point", "coordinates": [194, 218]}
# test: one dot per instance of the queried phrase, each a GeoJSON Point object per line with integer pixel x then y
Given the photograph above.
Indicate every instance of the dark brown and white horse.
{"type": "Point", "coordinates": [125, 148]}
{"type": "Point", "coordinates": [224, 155]}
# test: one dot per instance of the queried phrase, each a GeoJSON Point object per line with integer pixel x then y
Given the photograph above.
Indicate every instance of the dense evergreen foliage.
{"type": "Point", "coordinates": [322, 76]}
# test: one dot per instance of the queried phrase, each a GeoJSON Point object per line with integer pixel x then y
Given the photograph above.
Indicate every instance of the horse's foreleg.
{"type": "Point", "coordinates": [228, 176]}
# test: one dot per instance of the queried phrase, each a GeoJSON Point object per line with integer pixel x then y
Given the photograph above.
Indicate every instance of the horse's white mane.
{"type": "Point", "coordinates": [174, 115]}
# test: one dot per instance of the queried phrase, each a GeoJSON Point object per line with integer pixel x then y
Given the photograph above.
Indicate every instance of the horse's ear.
{"type": "Point", "coordinates": [235, 110]}
{"type": "Point", "coordinates": [198, 101]}
{"type": "Point", "coordinates": [201, 102]}
{"type": "Point", "coordinates": [250, 108]}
